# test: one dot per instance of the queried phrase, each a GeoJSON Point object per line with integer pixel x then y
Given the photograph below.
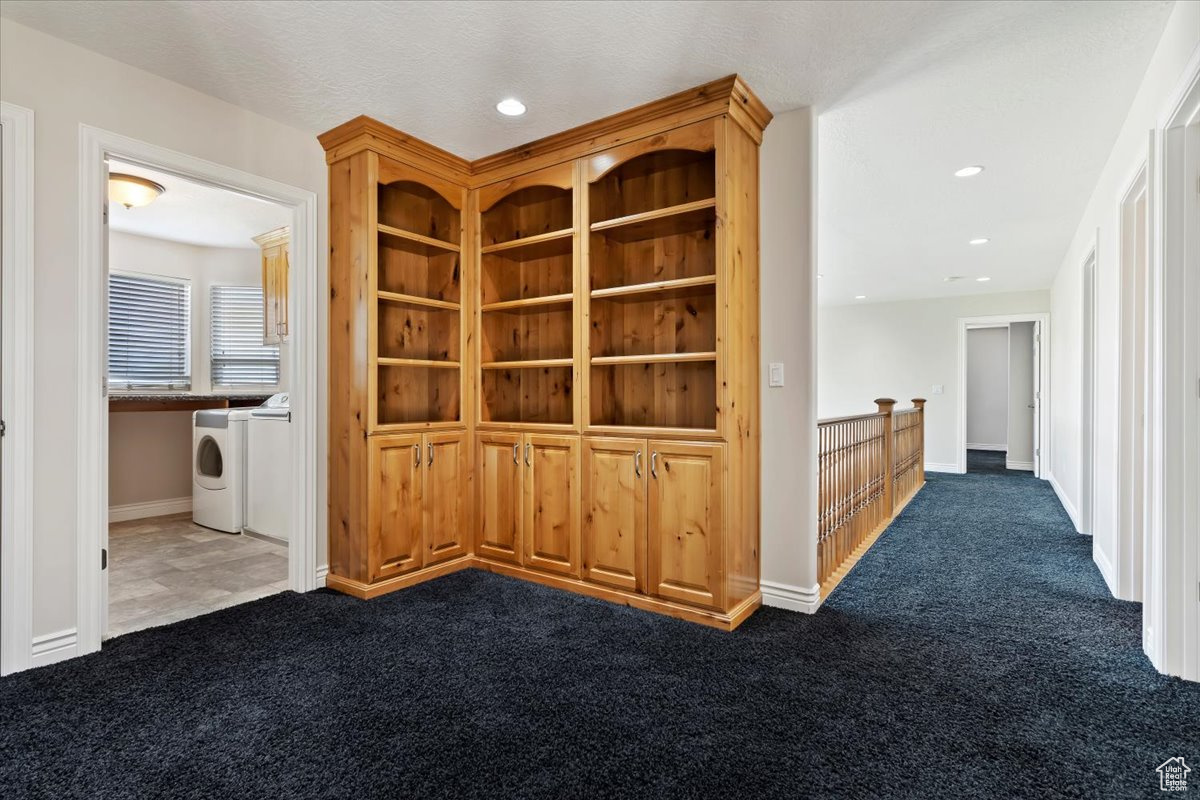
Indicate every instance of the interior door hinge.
{"type": "Point", "coordinates": [3, 427]}
{"type": "Point", "coordinates": [103, 558]}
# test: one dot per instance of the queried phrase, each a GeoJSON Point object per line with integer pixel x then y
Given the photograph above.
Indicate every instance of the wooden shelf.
{"type": "Point", "coordinates": [530, 364]}
{"type": "Point", "coordinates": [680, 287]}
{"type": "Point", "coordinates": [530, 304]}
{"type": "Point", "coordinates": [416, 362]}
{"type": "Point", "coordinates": [427, 242]}
{"type": "Point", "coordinates": [654, 358]}
{"type": "Point", "coordinates": [531, 247]}
{"type": "Point", "coordinates": [415, 300]}
{"type": "Point", "coordinates": [682, 218]}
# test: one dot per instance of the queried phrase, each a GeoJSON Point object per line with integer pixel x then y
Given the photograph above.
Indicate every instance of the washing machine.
{"type": "Point", "coordinates": [219, 468]}
{"type": "Point", "coordinates": [269, 468]}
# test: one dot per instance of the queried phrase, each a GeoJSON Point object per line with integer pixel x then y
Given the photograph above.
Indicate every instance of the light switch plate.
{"type": "Point", "coordinates": [939, 388]}
{"type": "Point", "coordinates": [776, 375]}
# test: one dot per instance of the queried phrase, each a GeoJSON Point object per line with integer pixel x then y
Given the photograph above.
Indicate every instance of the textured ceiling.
{"type": "Point", "coordinates": [194, 213]}
{"type": "Point", "coordinates": [907, 91]}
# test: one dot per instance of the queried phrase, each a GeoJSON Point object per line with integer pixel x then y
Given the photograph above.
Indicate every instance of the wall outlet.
{"type": "Point", "coordinates": [775, 372]}
{"type": "Point", "coordinates": [939, 388]}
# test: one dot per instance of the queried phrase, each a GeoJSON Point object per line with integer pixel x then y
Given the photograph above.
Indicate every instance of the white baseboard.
{"type": "Point", "coordinates": [1027, 466]}
{"type": "Point", "coordinates": [1066, 503]}
{"type": "Point", "coordinates": [51, 647]}
{"type": "Point", "coordinates": [793, 598]}
{"type": "Point", "coordinates": [153, 508]}
{"type": "Point", "coordinates": [1106, 569]}
{"type": "Point", "coordinates": [322, 573]}
{"type": "Point", "coordinates": [931, 466]}
{"type": "Point", "coordinates": [999, 447]}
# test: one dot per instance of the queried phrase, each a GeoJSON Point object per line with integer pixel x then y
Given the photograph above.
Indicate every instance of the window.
{"type": "Point", "coordinates": [239, 357]}
{"type": "Point", "coordinates": [149, 332]}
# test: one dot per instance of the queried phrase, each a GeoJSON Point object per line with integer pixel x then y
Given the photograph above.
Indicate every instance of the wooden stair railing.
{"type": "Point", "coordinates": [870, 466]}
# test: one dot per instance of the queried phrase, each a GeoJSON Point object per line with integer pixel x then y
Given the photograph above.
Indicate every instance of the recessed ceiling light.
{"type": "Point", "coordinates": [860, 297]}
{"type": "Point", "coordinates": [511, 107]}
{"type": "Point", "coordinates": [984, 279]}
{"type": "Point", "coordinates": [979, 241]}
{"type": "Point", "coordinates": [952, 278]}
{"type": "Point", "coordinates": [968, 172]}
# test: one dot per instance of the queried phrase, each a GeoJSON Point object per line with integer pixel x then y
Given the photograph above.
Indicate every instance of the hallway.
{"type": "Point", "coordinates": [974, 652]}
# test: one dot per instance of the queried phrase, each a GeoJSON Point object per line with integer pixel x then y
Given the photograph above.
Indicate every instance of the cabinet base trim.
{"type": "Point", "coordinates": [367, 591]}
{"type": "Point", "coordinates": [714, 619]}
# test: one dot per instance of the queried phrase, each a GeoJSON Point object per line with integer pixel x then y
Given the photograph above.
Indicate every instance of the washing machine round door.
{"type": "Point", "coordinates": [210, 463]}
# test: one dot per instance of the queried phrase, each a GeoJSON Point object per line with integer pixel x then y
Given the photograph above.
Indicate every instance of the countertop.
{"type": "Point", "coordinates": [182, 401]}
{"type": "Point", "coordinates": [116, 396]}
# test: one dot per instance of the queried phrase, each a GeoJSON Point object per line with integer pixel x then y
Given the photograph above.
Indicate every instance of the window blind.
{"type": "Point", "coordinates": [239, 357]}
{"type": "Point", "coordinates": [149, 325]}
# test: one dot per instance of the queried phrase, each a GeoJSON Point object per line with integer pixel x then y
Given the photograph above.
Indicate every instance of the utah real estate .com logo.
{"type": "Point", "coordinates": [1172, 775]}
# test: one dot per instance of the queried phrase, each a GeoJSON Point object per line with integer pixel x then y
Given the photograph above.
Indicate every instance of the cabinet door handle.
{"type": "Point", "coordinates": [431, 454]}
{"type": "Point", "coordinates": [416, 455]}
{"type": "Point", "coordinates": [516, 456]}
{"type": "Point", "coordinates": [528, 463]}
{"type": "Point", "coordinates": [654, 464]}
{"type": "Point", "coordinates": [637, 463]}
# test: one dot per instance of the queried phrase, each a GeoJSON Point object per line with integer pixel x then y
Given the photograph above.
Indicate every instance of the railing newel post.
{"type": "Point", "coordinates": [886, 404]}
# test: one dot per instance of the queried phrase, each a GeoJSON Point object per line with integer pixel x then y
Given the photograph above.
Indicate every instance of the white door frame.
{"type": "Point", "coordinates": [1128, 502]}
{"type": "Point", "coordinates": [95, 146]}
{"type": "Point", "coordinates": [16, 469]}
{"type": "Point", "coordinates": [1042, 421]}
{"type": "Point", "coordinates": [1171, 612]}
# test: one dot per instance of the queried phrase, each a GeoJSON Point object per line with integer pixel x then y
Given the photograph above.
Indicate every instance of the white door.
{"type": "Point", "coordinates": [104, 417]}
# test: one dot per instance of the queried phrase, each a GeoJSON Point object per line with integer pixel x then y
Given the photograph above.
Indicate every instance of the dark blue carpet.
{"type": "Point", "coordinates": [973, 653]}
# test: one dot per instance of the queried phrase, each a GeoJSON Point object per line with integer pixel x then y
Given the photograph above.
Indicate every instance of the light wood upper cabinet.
{"type": "Point", "coordinates": [447, 499]}
{"type": "Point", "coordinates": [275, 247]}
{"type": "Point", "coordinates": [395, 503]}
{"type": "Point", "coordinates": [614, 512]}
{"type": "Point", "coordinates": [686, 519]}
{"type": "Point", "coordinates": [499, 463]}
{"type": "Point", "coordinates": [551, 531]}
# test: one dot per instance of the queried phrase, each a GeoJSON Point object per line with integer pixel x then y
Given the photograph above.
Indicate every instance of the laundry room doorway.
{"type": "Point", "coordinates": [200, 290]}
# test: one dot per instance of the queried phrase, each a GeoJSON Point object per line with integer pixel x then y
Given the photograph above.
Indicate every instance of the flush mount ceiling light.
{"type": "Point", "coordinates": [132, 191]}
{"type": "Point", "coordinates": [984, 279]}
{"type": "Point", "coordinates": [968, 172]}
{"type": "Point", "coordinates": [511, 107]}
{"type": "Point", "coordinates": [979, 241]}
{"type": "Point", "coordinates": [819, 275]}
{"type": "Point", "coordinates": [860, 297]}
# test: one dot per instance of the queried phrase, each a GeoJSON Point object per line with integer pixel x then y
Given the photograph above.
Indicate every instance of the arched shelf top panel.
{"type": "Point", "coordinates": [652, 181]}
{"type": "Point", "coordinates": [529, 211]}
{"type": "Point", "coordinates": [418, 208]}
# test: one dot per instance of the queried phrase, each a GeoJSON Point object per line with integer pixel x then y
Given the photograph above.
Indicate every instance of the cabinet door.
{"type": "Point", "coordinates": [499, 468]}
{"type": "Point", "coordinates": [394, 503]}
{"type": "Point", "coordinates": [281, 288]}
{"type": "Point", "coordinates": [551, 531]}
{"type": "Point", "coordinates": [686, 546]}
{"type": "Point", "coordinates": [614, 512]}
{"type": "Point", "coordinates": [271, 258]}
{"type": "Point", "coordinates": [446, 496]}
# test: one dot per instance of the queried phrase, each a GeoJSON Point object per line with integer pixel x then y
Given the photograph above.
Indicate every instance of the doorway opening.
{"type": "Point", "coordinates": [1002, 382]}
{"type": "Point", "coordinates": [221, 322]}
{"type": "Point", "coordinates": [1133, 386]}
{"type": "Point", "coordinates": [197, 398]}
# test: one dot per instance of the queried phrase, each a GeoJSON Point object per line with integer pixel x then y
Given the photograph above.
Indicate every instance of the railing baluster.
{"type": "Point", "coordinates": [869, 467]}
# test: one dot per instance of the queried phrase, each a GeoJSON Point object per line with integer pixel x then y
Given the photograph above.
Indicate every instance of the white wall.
{"type": "Point", "coordinates": [1020, 395]}
{"type": "Point", "coordinates": [901, 350]}
{"type": "Point", "coordinates": [1099, 227]}
{"type": "Point", "coordinates": [788, 327]}
{"type": "Point", "coordinates": [987, 388]}
{"type": "Point", "coordinates": [66, 85]}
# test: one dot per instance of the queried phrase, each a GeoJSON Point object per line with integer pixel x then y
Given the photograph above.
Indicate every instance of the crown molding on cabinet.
{"type": "Point", "coordinates": [729, 95]}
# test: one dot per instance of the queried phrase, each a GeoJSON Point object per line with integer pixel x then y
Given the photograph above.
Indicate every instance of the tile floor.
{"type": "Point", "coordinates": [164, 569]}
